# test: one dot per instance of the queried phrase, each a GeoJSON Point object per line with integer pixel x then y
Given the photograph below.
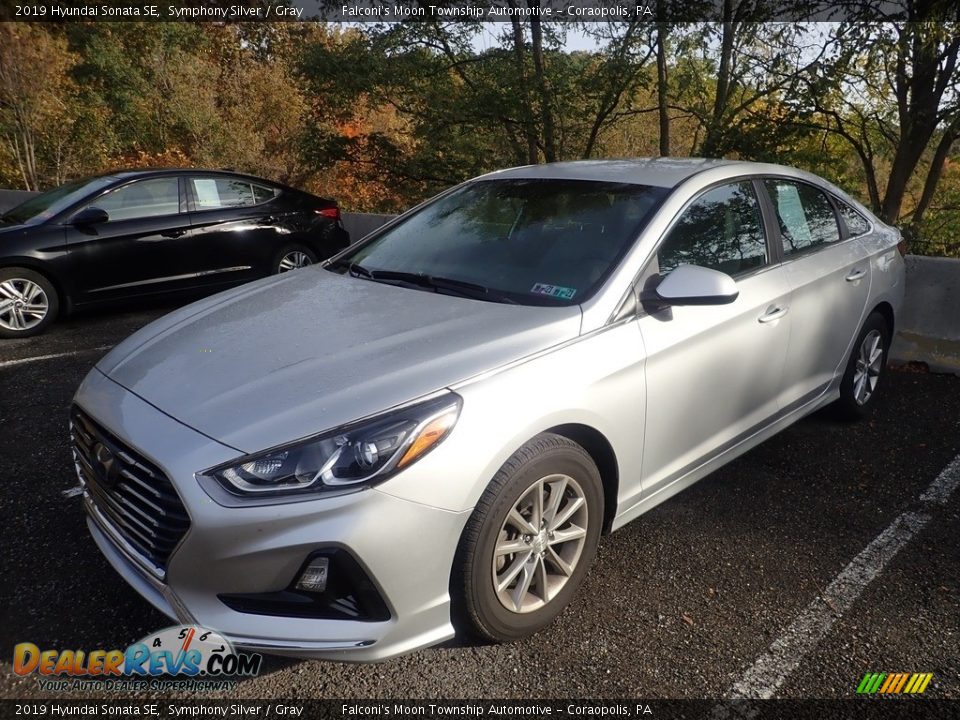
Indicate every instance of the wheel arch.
{"type": "Point", "coordinates": [602, 453]}
{"type": "Point", "coordinates": [885, 309]}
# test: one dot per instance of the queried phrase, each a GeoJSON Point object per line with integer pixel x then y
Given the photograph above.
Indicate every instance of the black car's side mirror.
{"type": "Point", "coordinates": [90, 216]}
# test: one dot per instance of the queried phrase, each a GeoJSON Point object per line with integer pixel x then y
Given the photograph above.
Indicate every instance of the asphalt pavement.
{"type": "Point", "coordinates": [681, 603]}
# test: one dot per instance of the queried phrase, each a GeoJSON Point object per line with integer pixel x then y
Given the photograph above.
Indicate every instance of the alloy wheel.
{"type": "Point", "coordinates": [293, 260]}
{"type": "Point", "coordinates": [540, 543]}
{"type": "Point", "coordinates": [23, 304]}
{"type": "Point", "coordinates": [868, 368]}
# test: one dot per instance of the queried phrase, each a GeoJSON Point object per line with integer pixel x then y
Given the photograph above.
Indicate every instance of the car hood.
{"type": "Point", "coordinates": [306, 351]}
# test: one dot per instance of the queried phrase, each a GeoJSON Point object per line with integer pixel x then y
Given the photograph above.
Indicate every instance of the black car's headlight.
{"type": "Point", "coordinates": [353, 456]}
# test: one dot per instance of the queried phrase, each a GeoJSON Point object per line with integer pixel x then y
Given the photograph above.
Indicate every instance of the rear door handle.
{"type": "Point", "coordinates": [855, 275]}
{"type": "Point", "coordinates": [773, 313]}
{"type": "Point", "coordinates": [173, 233]}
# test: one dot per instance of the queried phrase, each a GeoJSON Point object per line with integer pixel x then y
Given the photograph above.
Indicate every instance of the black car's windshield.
{"type": "Point", "coordinates": [529, 241]}
{"type": "Point", "coordinates": [46, 205]}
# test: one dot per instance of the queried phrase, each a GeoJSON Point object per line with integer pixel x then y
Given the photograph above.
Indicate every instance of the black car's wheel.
{"type": "Point", "coordinates": [292, 257]}
{"type": "Point", "coordinates": [530, 540]}
{"type": "Point", "coordinates": [865, 369]}
{"type": "Point", "coordinates": [28, 303]}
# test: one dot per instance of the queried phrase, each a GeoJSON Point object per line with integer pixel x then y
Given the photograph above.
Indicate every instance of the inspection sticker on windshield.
{"type": "Point", "coordinates": [557, 291]}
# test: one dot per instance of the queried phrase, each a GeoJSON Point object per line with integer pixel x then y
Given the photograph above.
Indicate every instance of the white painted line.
{"type": "Point", "coordinates": [54, 356]}
{"type": "Point", "coordinates": [940, 489]}
{"type": "Point", "coordinates": [72, 492]}
{"type": "Point", "coordinates": [768, 673]}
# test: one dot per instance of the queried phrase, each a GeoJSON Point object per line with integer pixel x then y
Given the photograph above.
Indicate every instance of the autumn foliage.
{"type": "Point", "coordinates": [383, 116]}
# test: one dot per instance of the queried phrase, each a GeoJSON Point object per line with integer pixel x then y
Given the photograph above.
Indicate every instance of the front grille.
{"type": "Point", "coordinates": [130, 493]}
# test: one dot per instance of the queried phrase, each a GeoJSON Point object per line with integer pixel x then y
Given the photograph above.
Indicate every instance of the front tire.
{"type": "Point", "coordinates": [530, 540]}
{"type": "Point", "coordinates": [28, 303]}
{"type": "Point", "coordinates": [865, 371]}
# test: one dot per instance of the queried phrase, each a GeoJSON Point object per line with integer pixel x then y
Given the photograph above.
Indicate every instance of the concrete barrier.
{"type": "Point", "coordinates": [359, 225]}
{"type": "Point", "coordinates": [928, 329]}
{"type": "Point", "coordinates": [11, 198]}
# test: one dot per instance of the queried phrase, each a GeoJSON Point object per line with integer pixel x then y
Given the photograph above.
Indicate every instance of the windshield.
{"type": "Point", "coordinates": [535, 242]}
{"type": "Point", "coordinates": [46, 205]}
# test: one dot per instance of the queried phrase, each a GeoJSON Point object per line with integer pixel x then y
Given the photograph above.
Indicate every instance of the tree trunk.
{"type": "Point", "coordinates": [904, 163]}
{"type": "Point", "coordinates": [543, 86]}
{"type": "Point", "coordinates": [713, 139]}
{"type": "Point", "coordinates": [533, 154]}
{"type": "Point", "coordinates": [935, 171]}
{"type": "Point", "coordinates": [918, 103]}
{"type": "Point", "coordinates": [662, 100]}
{"type": "Point", "coordinates": [15, 149]}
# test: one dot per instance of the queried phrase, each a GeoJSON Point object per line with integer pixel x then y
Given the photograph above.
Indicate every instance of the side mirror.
{"type": "Point", "coordinates": [90, 216]}
{"type": "Point", "coordinates": [693, 285]}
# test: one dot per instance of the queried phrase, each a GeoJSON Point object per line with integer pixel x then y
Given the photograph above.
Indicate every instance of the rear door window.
{"type": "Point", "coordinates": [856, 223]}
{"type": "Point", "coordinates": [262, 193]}
{"type": "Point", "coordinates": [804, 213]}
{"type": "Point", "coordinates": [212, 193]}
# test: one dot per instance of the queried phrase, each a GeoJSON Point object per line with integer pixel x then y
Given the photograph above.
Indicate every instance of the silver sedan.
{"type": "Point", "coordinates": [431, 431]}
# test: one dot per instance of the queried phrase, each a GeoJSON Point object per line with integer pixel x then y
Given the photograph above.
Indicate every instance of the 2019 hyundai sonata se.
{"type": "Point", "coordinates": [139, 233]}
{"type": "Point", "coordinates": [436, 426]}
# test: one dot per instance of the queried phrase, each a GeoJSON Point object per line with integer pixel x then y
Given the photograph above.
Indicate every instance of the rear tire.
{"type": "Point", "coordinates": [293, 257]}
{"type": "Point", "coordinates": [530, 541]}
{"type": "Point", "coordinates": [866, 369]}
{"type": "Point", "coordinates": [28, 303]}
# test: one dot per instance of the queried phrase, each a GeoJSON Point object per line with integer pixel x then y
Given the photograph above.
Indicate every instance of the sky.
{"type": "Point", "coordinates": [576, 40]}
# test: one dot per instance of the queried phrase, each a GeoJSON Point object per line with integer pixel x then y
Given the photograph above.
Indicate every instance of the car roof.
{"type": "Point", "coordinates": [667, 172]}
{"type": "Point", "coordinates": [161, 171]}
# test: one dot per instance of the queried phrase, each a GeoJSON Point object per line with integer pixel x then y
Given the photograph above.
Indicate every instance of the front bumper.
{"type": "Point", "coordinates": [405, 547]}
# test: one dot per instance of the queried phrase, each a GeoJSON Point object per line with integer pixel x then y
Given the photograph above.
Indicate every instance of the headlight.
{"type": "Point", "coordinates": [355, 455]}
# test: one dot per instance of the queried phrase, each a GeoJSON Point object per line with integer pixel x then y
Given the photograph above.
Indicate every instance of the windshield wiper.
{"type": "Point", "coordinates": [353, 268]}
{"type": "Point", "coordinates": [438, 283]}
{"type": "Point", "coordinates": [422, 280]}
{"type": "Point", "coordinates": [359, 270]}
{"type": "Point", "coordinates": [432, 282]}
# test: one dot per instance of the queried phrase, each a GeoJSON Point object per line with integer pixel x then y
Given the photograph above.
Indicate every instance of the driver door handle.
{"type": "Point", "coordinates": [773, 313]}
{"type": "Point", "coordinates": [855, 275]}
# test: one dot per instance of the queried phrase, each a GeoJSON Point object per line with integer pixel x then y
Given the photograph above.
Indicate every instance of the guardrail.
{"type": "Point", "coordinates": [928, 327]}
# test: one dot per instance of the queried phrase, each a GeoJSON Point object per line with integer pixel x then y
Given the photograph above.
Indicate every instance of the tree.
{"type": "Point", "coordinates": [38, 107]}
{"type": "Point", "coordinates": [523, 100]}
{"type": "Point", "coordinates": [892, 92]}
{"type": "Point", "coordinates": [731, 74]}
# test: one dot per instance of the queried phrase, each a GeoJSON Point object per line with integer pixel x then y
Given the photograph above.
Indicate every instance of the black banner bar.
{"type": "Point", "coordinates": [552, 11]}
{"type": "Point", "coordinates": [865, 708]}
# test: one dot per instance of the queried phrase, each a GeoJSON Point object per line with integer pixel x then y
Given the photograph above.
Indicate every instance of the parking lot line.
{"type": "Point", "coordinates": [54, 356]}
{"type": "Point", "coordinates": [768, 673]}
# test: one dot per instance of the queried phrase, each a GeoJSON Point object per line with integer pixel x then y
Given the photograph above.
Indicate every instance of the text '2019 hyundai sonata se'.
{"type": "Point", "coordinates": [435, 427]}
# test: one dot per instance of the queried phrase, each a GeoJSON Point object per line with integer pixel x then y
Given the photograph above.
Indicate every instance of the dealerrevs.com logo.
{"type": "Point", "coordinates": [185, 655]}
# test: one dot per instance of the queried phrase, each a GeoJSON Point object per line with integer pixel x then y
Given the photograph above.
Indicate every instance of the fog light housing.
{"type": "Point", "coordinates": [314, 575]}
{"type": "Point", "coordinates": [330, 584]}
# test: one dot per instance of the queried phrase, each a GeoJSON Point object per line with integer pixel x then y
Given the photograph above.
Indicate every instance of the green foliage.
{"type": "Point", "coordinates": [382, 116]}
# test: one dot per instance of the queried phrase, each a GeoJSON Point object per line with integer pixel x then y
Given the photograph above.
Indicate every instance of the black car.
{"type": "Point", "coordinates": [148, 232]}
